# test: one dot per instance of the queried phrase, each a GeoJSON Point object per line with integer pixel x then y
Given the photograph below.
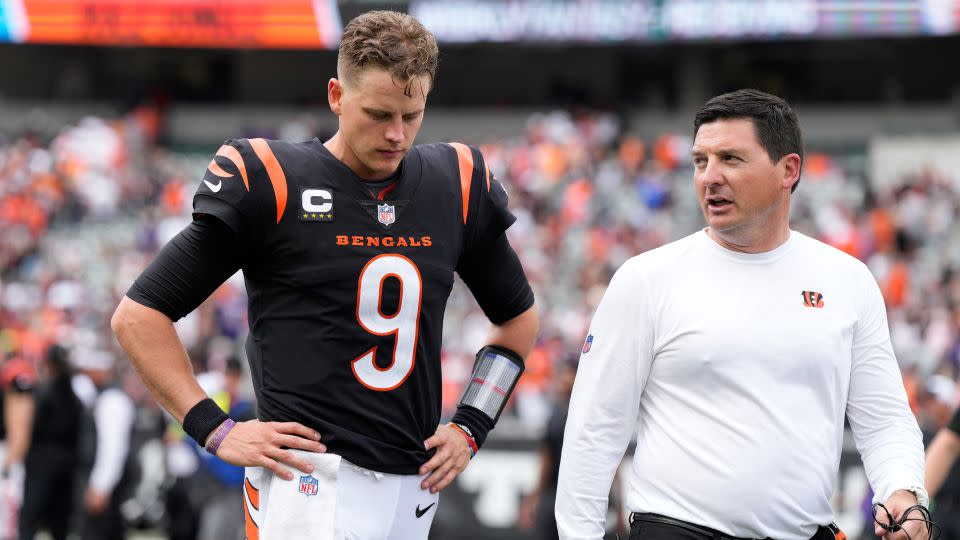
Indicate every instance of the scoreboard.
{"type": "Point", "coordinates": [229, 24]}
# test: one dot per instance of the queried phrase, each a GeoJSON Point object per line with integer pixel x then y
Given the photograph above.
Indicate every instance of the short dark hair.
{"type": "Point", "coordinates": [59, 360]}
{"type": "Point", "coordinates": [775, 122]}
{"type": "Point", "coordinates": [390, 40]}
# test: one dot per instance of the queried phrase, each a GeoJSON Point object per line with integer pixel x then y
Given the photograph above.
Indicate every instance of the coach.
{"type": "Point", "coordinates": [741, 348]}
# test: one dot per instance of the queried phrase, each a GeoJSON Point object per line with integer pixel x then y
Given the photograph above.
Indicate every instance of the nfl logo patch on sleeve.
{"type": "Point", "coordinates": [309, 485]}
{"type": "Point", "coordinates": [587, 343]}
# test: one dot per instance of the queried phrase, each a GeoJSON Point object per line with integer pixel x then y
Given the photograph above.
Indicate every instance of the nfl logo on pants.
{"type": "Point", "coordinates": [308, 485]}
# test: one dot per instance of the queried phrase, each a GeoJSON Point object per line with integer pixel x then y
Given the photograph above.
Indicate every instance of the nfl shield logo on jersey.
{"type": "Point", "coordinates": [309, 485]}
{"type": "Point", "coordinates": [386, 214]}
{"type": "Point", "coordinates": [587, 343]}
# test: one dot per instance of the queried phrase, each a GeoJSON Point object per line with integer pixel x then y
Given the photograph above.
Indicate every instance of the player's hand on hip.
{"type": "Point", "coordinates": [450, 459]}
{"type": "Point", "coordinates": [914, 527]}
{"type": "Point", "coordinates": [265, 444]}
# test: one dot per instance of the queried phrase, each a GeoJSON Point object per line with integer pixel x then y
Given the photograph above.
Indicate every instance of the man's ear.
{"type": "Point", "coordinates": [791, 170]}
{"type": "Point", "coordinates": [334, 95]}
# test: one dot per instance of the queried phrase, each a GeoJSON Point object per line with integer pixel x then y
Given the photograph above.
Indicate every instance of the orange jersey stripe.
{"type": "Point", "coordinates": [487, 167]}
{"type": "Point", "coordinates": [274, 171]}
{"type": "Point", "coordinates": [466, 174]}
{"type": "Point", "coordinates": [233, 155]}
{"type": "Point", "coordinates": [217, 170]}
{"type": "Point", "coordinates": [253, 493]}
{"type": "Point", "coordinates": [250, 526]}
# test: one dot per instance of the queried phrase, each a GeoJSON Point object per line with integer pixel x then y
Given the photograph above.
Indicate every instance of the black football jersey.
{"type": "Point", "coordinates": [346, 290]}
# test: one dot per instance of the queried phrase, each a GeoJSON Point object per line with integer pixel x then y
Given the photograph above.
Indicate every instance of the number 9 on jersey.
{"type": "Point", "coordinates": [403, 324]}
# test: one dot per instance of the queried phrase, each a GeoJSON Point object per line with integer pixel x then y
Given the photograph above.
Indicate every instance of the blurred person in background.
{"type": "Point", "coordinates": [735, 368]}
{"type": "Point", "coordinates": [218, 482]}
{"type": "Point", "coordinates": [536, 510]}
{"type": "Point", "coordinates": [53, 458]}
{"type": "Point", "coordinates": [113, 418]}
{"type": "Point", "coordinates": [349, 249]}
{"type": "Point", "coordinates": [183, 500]}
{"type": "Point", "coordinates": [17, 382]}
{"type": "Point", "coordinates": [941, 467]}
{"type": "Point", "coordinates": [201, 499]}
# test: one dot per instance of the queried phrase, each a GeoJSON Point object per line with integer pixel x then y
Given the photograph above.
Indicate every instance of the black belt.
{"type": "Point", "coordinates": [831, 532]}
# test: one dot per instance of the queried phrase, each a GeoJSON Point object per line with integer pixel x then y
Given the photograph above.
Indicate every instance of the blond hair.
{"type": "Point", "coordinates": [390, 40]}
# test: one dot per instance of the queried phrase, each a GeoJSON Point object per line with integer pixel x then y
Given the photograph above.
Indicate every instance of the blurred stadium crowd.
{"type": "Point", "coordinates": [82, 214]}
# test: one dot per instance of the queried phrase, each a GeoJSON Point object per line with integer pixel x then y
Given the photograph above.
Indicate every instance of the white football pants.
{"type": "Point", "coordinates": [338, 501]}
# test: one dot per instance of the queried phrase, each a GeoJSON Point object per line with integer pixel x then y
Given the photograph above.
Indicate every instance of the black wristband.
{"type": "Point", "coordinates": [202, 419]}
{"type": "Point", "coordinates": [476, 421]}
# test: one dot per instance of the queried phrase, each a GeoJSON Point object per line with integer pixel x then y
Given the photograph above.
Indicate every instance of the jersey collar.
{"type": "Point", "coordinates": [407, 183]}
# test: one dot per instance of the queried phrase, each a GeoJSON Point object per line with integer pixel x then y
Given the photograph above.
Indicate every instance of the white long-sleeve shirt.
{"type": "Point", "coordinates": [113, 414]}
{"type": "Point", "coordinates": [740, 390]}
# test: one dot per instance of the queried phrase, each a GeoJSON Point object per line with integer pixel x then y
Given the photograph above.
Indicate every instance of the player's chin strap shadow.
{"type": "Point", "coordinates": [914, 513]}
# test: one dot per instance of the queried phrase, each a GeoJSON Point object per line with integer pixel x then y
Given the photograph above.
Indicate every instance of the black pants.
{"type": "Point", "coordinates": [182, 517]}
{"type": "Point", "coordinates": [657, 527]}
{"type": "Point", "coordinates": [947, 515]}
{"type": "Point", "coordinates": [108, 525]}
{"type": "Point", "coordinates": [48, 495]}
{"type": "Point", "coordinates": [545, 520]}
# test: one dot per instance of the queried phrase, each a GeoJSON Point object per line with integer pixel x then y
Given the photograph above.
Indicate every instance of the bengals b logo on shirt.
{"type": "Point", "coordinates": [812, 299]}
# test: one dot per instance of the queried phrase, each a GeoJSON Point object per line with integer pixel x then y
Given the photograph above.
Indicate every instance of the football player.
{"type": "Point", "coordinates": [348, 249]}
